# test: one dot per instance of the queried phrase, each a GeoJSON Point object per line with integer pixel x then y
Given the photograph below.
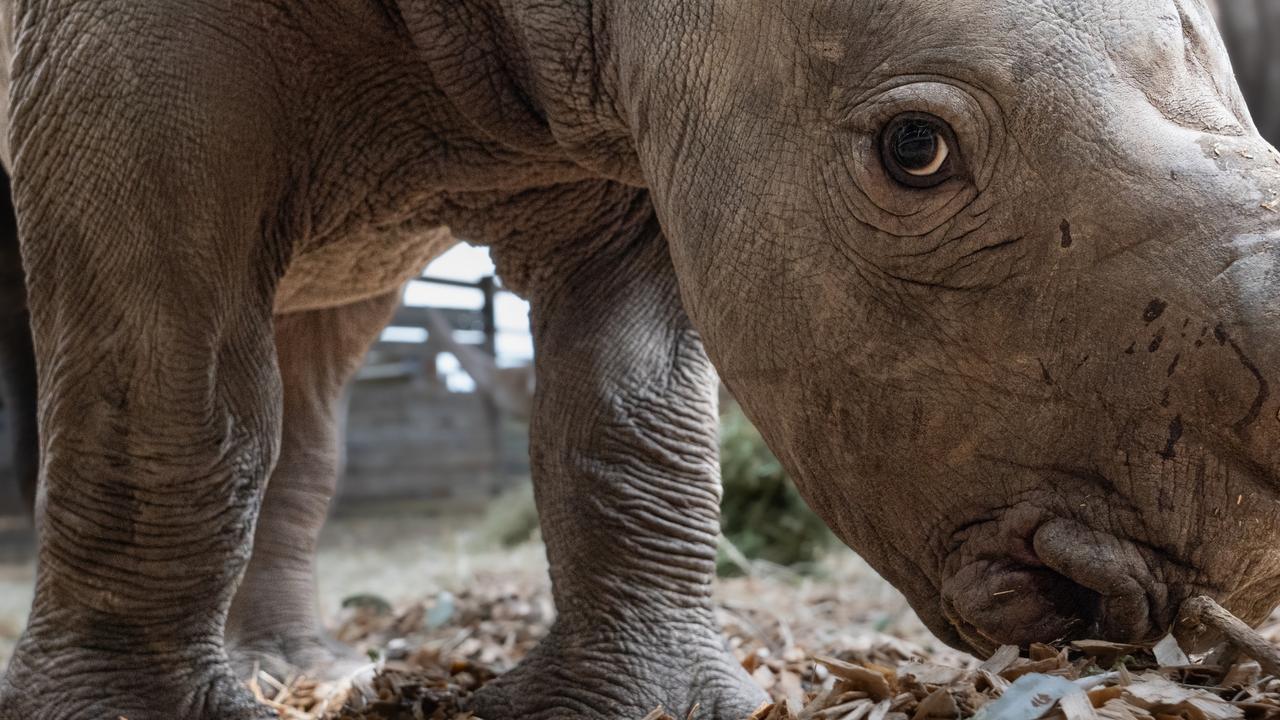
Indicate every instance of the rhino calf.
{"type": "Point", "coordinates": [995, 280]}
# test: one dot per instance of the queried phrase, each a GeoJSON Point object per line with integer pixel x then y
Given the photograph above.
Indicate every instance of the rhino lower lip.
{"type": "Point", "coordinates": [1067, 582]}
{"type": "Point", "coordinates": [998, 603]}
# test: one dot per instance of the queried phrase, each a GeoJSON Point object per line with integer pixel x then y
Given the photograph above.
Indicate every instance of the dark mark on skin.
{"type": "Point", "coordinates": [1174, 365]}
{"type": "Point", "coordinates": [1129, 351]}
{"type": "Point", "coordinates": [1154, 310]}
{"type": "Point", "coordinates": [1175, 433]}
{"type": "Point", "coordinates": [1264, 388]}
{"type": "Point", "coordinates": [1044, 373]}
{"type": "Point", "coordinates": [1220, 334]}
{"type": "Point", "coordinates": [1164, 401]}
{"type": "Point", "coordinates": [1156, 341]}
{"type": "Point", "coordinates": [1065, 227]}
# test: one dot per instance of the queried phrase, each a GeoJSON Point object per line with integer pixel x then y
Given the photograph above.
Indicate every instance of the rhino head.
{"type": "Point", "coordinates": [998, 283]}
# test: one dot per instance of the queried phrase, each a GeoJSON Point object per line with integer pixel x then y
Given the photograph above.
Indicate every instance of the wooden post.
{"type": "Point", "coordinates": [489, 287]}
{"type": "Point", "coordinates": [489, 320]}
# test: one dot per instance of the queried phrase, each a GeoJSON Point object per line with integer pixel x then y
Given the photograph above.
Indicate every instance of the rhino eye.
{"type": "Point", "coordinates": [917, 150]}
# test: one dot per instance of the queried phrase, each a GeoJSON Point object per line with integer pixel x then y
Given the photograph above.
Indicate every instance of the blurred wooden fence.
{"type": "Point", "coordinates": [410, 437]}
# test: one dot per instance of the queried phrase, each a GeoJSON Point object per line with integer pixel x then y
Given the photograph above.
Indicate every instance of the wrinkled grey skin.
{"type": "Point", "coordinates": [1052, 373]}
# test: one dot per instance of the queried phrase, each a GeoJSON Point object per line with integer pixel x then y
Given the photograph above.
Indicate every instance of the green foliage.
{"type": "Point", "coordinates": [762, 515]}
{"type": "Point", "coordinates": [510, 519]}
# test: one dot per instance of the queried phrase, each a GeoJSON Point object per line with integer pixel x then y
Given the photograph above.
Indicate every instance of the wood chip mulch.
{"type": "Point", "coordinates": [436, 654]}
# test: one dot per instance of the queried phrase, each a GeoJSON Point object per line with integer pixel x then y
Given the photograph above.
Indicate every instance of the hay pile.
{"type": "Point", "coordinates": [436, 654]}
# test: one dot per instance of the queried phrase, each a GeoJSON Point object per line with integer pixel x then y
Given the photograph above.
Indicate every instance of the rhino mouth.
{"type": "Point", "coordinates": [1055, 581]}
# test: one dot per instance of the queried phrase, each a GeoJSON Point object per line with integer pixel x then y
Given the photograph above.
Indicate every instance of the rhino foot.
{"type": "Point", "coordinates": [618, 674]}
{"type": "Point", "coordinates": [283, 657]}
{"type": "Point", "coordinates": [64, 690]}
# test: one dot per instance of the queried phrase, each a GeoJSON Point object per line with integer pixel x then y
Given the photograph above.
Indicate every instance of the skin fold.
{"type": "Point", "coordinates": [1048, 372]}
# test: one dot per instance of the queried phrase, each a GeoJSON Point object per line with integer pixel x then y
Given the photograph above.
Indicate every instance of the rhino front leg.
{"type": "Point", "coordinates": [274, 624]}
{"type": "Point", "coordinates": [159, 422]}
{"type": "Point", "coordinates": [153, 247]}
{"type": "Point", "coordinates": [626, 471]}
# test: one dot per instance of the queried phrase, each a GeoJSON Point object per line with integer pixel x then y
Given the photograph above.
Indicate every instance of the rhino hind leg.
{"type": "Point", "coordinates": [625, 465]}
{"type": "Point", "coordinates": [274, 623]}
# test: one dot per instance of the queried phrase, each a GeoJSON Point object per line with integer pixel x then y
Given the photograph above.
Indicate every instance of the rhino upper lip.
{"type": "Point", "coordinates": [1114, 569]}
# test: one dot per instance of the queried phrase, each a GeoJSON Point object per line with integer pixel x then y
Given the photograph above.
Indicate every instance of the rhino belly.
{"type": "Point", "coordinates": [358, 268]}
